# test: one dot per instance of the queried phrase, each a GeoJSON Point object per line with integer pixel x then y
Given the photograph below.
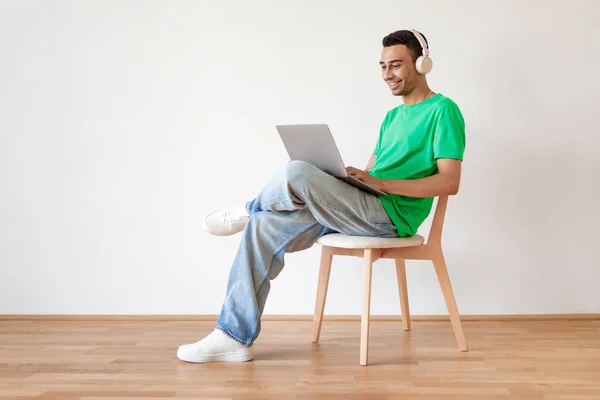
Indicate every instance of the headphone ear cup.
{"type": "Point", "coordinates": [424, 64]}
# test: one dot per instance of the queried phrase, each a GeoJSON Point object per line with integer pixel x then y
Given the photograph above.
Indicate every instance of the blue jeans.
{"type": "Point", "coordinates": [300, 204]}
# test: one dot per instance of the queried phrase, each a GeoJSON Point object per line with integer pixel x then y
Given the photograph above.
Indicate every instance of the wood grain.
{"type": "Point", "coordinates": [136, 360]}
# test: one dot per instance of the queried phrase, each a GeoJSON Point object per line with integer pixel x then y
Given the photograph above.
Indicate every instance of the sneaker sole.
{"type": "Point", "coordinates": [242, 355]}
{"type": "Point", "coordinates": [222, 231]}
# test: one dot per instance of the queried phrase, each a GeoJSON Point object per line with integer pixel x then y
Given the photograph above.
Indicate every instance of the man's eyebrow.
{"type": "Point", "coordinates": [390, 62]}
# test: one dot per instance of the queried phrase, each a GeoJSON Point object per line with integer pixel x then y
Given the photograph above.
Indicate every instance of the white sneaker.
{"type": "Point", "coordinates": [215, 347]}
{"type": "Point", "coordinates": [227, 221]}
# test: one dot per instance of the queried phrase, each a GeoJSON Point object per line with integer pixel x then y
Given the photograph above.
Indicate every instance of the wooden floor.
{"type": "Point", "coordinates": [136, 360]}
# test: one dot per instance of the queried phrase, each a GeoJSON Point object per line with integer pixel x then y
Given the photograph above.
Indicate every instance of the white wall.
{"type": "Point", "coordinates": [124, 122]}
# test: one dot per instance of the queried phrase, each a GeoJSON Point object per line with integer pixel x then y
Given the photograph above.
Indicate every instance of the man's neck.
{"type": "Point", "coordinates": [416, 96]}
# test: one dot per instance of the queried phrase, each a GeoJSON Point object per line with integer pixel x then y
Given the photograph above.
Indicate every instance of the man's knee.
{"type": "Point", "coordinates": [300, 171]}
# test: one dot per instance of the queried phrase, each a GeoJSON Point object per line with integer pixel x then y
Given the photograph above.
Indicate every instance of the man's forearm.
{"type": "Point", "coordinates": [431, 186]}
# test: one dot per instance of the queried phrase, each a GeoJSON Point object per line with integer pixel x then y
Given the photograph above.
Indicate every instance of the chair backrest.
{"type": "Point", "coordinates": [435, 233]}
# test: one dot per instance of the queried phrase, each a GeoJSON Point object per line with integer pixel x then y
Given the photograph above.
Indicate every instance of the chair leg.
{"type": "Point", "coordinates": [324, 272]}
{"type": "Point", "coordinates": [442, 273]}
{"type": "Point", "coordinates": [403, 291]}
{"type": "Point", "coordinates": [366, 311]}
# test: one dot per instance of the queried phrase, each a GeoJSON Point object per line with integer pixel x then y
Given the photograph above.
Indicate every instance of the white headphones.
{"type": "Point", "coordinates": [424, 64]}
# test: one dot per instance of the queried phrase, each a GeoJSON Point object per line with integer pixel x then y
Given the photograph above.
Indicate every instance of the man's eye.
{"type": "Point", "coordinates": [396, 66]}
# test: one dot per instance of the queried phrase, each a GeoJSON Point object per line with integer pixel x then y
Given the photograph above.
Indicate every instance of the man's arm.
{"type": "Point", "coordinates": [445, 182]}
{"type": "Point", "coordinates": [371, 162]}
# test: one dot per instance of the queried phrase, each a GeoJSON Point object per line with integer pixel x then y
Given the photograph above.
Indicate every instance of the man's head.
{"type": "Point", "coordinates": [400, 52]}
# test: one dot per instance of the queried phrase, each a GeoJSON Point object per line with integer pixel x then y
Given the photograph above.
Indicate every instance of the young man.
{"type": "Point", "coordinates": [417, 157]}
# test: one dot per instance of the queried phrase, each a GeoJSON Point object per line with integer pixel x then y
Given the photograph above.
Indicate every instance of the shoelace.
{"type": "Point", "coordinates": [231, 216]}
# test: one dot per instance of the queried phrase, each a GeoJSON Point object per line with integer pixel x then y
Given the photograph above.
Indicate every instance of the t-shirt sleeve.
{"type": "Point", "coordinates": [449, 137]}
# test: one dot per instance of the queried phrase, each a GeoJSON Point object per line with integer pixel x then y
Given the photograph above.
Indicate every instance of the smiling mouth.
{"type": "Point", "coordinates": [394, 85]}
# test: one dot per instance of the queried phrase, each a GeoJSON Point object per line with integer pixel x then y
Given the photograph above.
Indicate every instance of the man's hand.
{"type": "Point", "coordinates": [365, 177]}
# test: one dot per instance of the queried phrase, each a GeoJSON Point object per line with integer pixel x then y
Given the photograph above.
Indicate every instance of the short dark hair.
{"type": "Point", "coordinates": [408, 39]}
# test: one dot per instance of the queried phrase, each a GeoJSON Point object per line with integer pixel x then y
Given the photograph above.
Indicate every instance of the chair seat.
{"type": "Point", "coordinates": [368, 242]}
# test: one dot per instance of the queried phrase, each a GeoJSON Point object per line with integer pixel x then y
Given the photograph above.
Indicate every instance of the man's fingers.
{"type": "Point", "coordinates": [355, 173]}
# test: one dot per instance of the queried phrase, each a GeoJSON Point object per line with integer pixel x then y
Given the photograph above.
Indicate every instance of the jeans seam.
{"type": "Point", "coordinates": [274, 200]}
{"type": "Point", "coordinates": [313, 199]}
{"type": "Point", "coordinates": [287, 243]}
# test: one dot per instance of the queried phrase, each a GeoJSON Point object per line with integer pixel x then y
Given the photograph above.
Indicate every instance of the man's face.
{"type": "Point", "coordinates": [398, 69]}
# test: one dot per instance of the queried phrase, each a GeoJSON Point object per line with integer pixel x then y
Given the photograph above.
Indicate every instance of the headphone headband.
{"type": "Point", "coordinates": [422, 41]}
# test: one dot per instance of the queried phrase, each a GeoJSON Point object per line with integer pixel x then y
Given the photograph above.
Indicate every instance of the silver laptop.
{"type": "Point", "coordinates": [314, 144]}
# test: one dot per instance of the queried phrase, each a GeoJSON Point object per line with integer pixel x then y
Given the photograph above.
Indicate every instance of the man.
{"type": "Point", "coordinates": [417, 157]}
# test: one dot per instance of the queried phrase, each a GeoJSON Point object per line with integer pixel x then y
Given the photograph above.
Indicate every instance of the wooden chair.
{"type": "Point", "coordinates": [399, 249]}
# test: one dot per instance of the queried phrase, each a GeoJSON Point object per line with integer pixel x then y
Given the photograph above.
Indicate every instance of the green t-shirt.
{"type": "Point", "coordinates": [410, 140]}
